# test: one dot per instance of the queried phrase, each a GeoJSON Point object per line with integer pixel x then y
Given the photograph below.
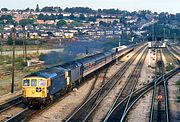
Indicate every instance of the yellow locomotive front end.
{"type": "Point", "coordinates": [34, 90]}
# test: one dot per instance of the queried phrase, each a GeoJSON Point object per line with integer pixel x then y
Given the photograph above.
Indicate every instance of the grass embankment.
{"type": "Point", "coordinates": [178, 85]}
{"type": "Point", "coordinates": [20, 71]}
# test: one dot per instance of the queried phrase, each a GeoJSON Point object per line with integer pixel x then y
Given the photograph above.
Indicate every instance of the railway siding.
{"type": "Point", "coordinates": [87, 108]}
{"type": "Point", "coordinates": [117, 111]}
{"type": "Point", "coordinates": [174, 106]}
{"type": "Point", "coordinates": [140, 111]}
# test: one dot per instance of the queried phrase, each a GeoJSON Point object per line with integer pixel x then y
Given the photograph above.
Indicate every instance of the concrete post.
{"type": "Point", "coordinates": [149, 57]}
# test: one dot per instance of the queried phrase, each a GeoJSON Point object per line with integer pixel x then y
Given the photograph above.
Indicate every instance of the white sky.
{"type": "Point", "coordinates": [171, 6]}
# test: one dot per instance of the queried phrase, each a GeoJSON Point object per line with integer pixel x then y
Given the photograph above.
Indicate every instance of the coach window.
{"type": "Point", "coordinates": [26, 82]}
{"type": "Point", "coordinates": [33, 82]}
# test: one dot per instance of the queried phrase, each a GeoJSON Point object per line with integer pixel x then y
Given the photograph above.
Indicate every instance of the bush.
{"type": "Point", "coordinates": [20, 63]}
{"type": "Point", "coordinates": [5, 59]}
{"type": "Point", "coordinates": [17, 42]}
{"type": "Point", "coordinates": [178, 83]}
{"type": "Point", "coordinates": [8, 68]}
{"type": "Point", "coordinates": [169, 67]}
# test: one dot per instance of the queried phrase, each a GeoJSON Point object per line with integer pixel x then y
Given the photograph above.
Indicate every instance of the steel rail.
{"type": "Point", "coordinates": [166, 100]}
{"type": "Point", "coordinates": [149, 86]}
{"type": "Point", "coordinates": [93, 101]}
{"type": "Point", "coordinates": [159, 83]}
{"type": "Point", "coordinates": [140, 67]}
{"type": "Point", "coordinates": [155, 86]}
{"type": "Point", "coordinates": [134, 73]}
{"type": "Point", "coordinates": [10, 103]}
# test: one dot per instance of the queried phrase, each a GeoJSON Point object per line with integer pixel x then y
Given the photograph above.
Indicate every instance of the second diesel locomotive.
{"type": "Point", "coordinates": [41, 87]}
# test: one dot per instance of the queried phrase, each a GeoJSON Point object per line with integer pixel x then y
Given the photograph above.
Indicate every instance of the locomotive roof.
{"type": "Point", "coordinates": [49, 72]}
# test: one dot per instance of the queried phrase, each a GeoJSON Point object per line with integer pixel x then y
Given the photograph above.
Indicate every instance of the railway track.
{"type": "Point", "coordinates": [136, 95]}
{"type": "Point", "coordinates": [170, 58]}
{"type": "Point", "coordinates": [10, 103]}
{"type": "Point", "coordinates": [5, 115]}
{"type": "Point", "coordinates": [10, 107]}
{"type": "Point", "coordinates": [21, 116]}
{"type": "Point", "coordinates": [139, 93]}
{"type": "Point", "coordinates": [99, 81]}
{"type": "Point", "coordinates": [159, 105]}
{"type": "Point", "coordinates": [128, 88]}
{"type": "Point", "coordinates": [26, 114]}
{"type": "Point", "coordinates": [84, 112]}
{"type": "Point", "coordinates": [174, 50]}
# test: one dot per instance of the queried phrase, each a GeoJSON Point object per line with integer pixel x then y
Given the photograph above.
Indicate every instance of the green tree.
{"type": "Point", "coordinates": [82, 17]}
{"type": "Point", "coordinates": [47, 17]}
{"type": "Point", "coordinates": [25, 22]}
{"type": "Point", "coordinates": [101, 23]}
{"type": "Point", "coordinates": [17, 42]}
{"type": "Point", "coordinates": [9, 41]}
{"type": "Point", "coordinates": [41, 17]}
{"type": "Point", "coordinates": [79, 10]}
{"type": "Point", "coordinates": [72, 17]}
{"type": "Point", "coordinates": [4, 9]}
{"type": "Point", "coordinates": [9, 19]}
{"type": "Point", "coordinates": [115, 22]}
{"type": "Point", "coordinates": [92, 18]}
{"type": "Point", "coordinates": [48, 9]}
{"type": "Point", "coordinates": [74, 23]}
{"type": "Point", "coordinates": [60, 16]}
{"type": "Point", "coordinates": [61, 23]}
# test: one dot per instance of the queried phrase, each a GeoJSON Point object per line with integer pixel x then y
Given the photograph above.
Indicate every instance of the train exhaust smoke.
{"type": "Point", "coordinates": [76, 50]}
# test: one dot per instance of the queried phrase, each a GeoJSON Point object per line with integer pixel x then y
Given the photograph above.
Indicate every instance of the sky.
{"type": "Point", "coordinates": [170, 6]}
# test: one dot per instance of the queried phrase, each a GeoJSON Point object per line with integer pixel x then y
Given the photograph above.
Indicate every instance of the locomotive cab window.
{"type": "Point", "coordinates": [26, 82]}
{"type": "Point", "coordinates": [33, 82]}
{"type": "Point", "coordinates": [41, 82]}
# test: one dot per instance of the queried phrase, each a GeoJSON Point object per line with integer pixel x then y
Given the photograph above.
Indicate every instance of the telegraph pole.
{"type": "Point", "coordinates": [24, 45]}
{"type": "Point", "coordinates": [13, 60]}
{"type": "Point", "coordinates": [24, 37]}
{"type": "Point", "coordinates": [164, 33]}
{"type": "Point", "coordinates": [25, 49]}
